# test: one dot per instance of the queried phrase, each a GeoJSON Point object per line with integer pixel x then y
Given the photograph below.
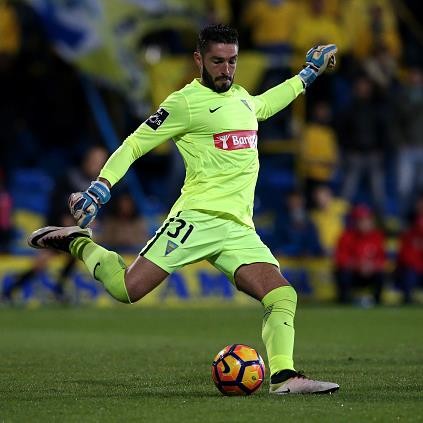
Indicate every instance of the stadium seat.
{"type": "Point", "coordinates": [30, 189]}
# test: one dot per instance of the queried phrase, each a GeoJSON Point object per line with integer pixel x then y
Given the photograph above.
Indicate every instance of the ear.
{"type": "Point", "coordinates": [198, 60]}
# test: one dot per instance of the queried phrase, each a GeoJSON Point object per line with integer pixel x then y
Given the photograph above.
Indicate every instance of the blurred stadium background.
{"type": "Point", "coordinates": [76, 77]}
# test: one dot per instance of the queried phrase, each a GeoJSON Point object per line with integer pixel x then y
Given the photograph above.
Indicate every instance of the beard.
{"type": "Point", "coordinates": [209, 82]}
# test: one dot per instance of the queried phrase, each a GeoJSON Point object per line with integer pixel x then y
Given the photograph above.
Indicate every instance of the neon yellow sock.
{"type": "Point", "coordinates": [278, 327]}
{"type": "Point", "coordinates": [104, 265]}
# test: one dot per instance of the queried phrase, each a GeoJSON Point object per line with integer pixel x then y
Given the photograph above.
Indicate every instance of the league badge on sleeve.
{"type": "Point", "coordinates": [154, 121]}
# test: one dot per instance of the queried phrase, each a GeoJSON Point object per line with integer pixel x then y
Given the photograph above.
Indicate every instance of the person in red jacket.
{"type": "Point", "coordinates": [360, 256]}
{"type": "Point", "coordinates": [409, 269]}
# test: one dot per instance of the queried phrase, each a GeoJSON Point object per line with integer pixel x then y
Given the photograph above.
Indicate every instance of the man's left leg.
{"type": "Point", "coordinates": [264, 282]}
{"type": "Point", "coordinates": [279, 300]}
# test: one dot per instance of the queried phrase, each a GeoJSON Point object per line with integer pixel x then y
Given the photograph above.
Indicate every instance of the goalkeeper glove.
{"type": "Point", "coordinates": [317, 60]}
{"type": "Point", "coordinates": [84, 205]}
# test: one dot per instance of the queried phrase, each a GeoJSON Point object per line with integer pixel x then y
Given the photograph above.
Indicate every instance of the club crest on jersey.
{"type": "Point", "coordinates": [170, 247]}
{"type": "Point", "coordinates": [154, 121]}
{"type": "Point", "coordinates": [235, 140]}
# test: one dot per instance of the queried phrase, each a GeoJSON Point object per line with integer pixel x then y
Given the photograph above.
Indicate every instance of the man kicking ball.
{"type": "Point", "coordinates": [213, 123]}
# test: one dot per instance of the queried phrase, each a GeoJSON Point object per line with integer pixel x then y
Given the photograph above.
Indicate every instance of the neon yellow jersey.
{"type": "Point", "coordinates": [216, 134]}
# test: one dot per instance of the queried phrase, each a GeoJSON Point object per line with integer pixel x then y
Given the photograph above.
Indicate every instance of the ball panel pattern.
{"type": "Point", "coordinates": [238, 370]}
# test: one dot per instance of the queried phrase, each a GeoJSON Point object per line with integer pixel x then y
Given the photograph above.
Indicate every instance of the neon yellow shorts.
{"type": "Point", "coordinates": [194, 235]}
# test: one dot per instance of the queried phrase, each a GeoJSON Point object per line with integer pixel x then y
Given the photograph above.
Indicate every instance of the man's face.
{"type": "Point", "coordinates": [217, 66]}
{"type": "Point", "coordinates": [365, 224]}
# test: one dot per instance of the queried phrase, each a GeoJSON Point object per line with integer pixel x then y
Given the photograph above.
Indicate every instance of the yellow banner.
{"type": "Point", "coordinates": [197, 285]}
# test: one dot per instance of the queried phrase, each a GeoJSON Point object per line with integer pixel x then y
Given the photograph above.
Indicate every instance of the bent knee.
{"type": "Point", "coordinates": [139, 284]}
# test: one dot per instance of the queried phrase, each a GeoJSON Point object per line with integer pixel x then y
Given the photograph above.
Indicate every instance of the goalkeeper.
{"type": "Point", "coordinates": [213, 123]}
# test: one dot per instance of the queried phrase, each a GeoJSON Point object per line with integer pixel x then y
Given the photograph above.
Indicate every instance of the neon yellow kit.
{"type": "Point", "coordinates": [216, 134]}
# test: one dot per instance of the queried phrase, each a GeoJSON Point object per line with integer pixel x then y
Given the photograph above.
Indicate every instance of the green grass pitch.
{"type": "Point", "coordinates": [153, 365]}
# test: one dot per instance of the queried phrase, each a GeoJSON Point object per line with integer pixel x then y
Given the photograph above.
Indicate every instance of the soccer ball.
{"type": "Point", "coordinates": [238, 370]}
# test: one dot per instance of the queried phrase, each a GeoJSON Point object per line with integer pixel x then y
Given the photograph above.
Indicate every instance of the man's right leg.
{"type": "Point", "coordinates": [124, 284]}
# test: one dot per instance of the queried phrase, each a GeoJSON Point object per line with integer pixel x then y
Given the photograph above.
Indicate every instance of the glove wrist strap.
{"type": "Point", "coordinates": [308, 76]}
{"type": "Point", "coordinates": [100, 191]}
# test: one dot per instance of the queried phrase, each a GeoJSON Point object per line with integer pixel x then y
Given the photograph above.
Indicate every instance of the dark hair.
{"type": "Point", "coordinates": [216, 34]}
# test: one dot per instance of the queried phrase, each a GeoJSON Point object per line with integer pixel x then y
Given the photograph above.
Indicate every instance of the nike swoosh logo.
{"type": "Point", "coordinates": [286, 324]}
{"type": "Point", "coordinates": [36, 238]}
{"type": "Point", "coordinates": [213, 110]}
{"type": "Point", "coordinates": [95, 268]}
{"type": "Point", "coordinates": [226, 369]}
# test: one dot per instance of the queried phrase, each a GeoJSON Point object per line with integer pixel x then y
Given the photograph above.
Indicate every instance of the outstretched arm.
{"type": "Point", "coordinates": [277, 98]}
{"type": "Point", "coordinates": [170, 120]}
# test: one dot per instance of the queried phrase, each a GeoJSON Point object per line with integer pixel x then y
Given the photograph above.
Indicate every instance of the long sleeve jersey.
{"type": "Point", "coordinates": [216, 134]}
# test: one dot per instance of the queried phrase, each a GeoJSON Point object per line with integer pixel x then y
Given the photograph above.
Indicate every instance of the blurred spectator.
{"type": "Point", "coordinates": [332, 8]}
{"type": "Point", "coordinates": [381, 67]}
{"type": "Point", "coordinates": [319, 150]}
{"type": "Point", "coordinates": [360, 256]}
{"type": "Point", "coordinates": [409, 269]}
{"type": "Point", "coordinates": [363, 146]}
{"type": "Point", "coordinates": [272, 24]}
{"type": "Point", "coordinates": [315, 26]}
{"type": "Point", "coordinates": [295, 233]}
{"type": "Point", "coordinates": [123, 229]}
{"type": "Point", "coordinates": [219, 11]}
{"type": "Point", "coordinates": [371, 24]}
{"type": "Point", "coordinates": [6, 226]}
{"type": "Point", "coordinates": [75, 179]}
{"type": "Point", "coordinates": [410, 252]}
{"type": "Point", "coordinates": [409, 136]}
{"type": "Point", "coordinates": [328, 214]}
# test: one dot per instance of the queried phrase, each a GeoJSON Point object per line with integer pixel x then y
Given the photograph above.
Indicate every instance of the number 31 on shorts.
{"type": "Point", "coordinates": [181, 231]}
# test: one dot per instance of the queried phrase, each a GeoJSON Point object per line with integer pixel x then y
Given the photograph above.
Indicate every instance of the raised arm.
{"type": "Point", "coordinates": [277, 98]}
